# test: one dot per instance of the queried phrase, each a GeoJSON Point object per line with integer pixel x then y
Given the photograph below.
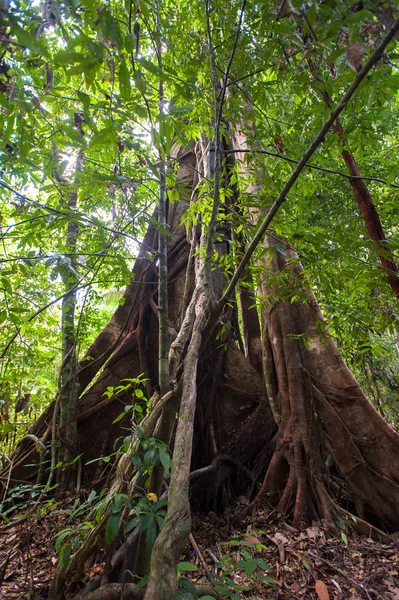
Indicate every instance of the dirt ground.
{"type": "Point", "coordinates": [260, 558]}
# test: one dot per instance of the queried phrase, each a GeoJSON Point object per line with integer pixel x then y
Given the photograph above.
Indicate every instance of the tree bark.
{"type": "Point", "coordinates": [323, 412]}
{"type": "Point", "coordinates": [364, 201]}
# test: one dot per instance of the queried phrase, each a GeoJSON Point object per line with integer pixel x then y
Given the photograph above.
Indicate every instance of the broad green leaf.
{"type": "Point", "coordinates": [124, 81]}
{"type": "Point", "coordinates": [65, 555]}
{"type": "Point", "coordinates": [150, 537]}
{"type": "Point", "coordinates": [85, 99]}
{"type": "Point", "coordinates": [140, 81]}
{"type": "Point", "coordinates": [188, 585]}
{"type": "Point", "coordinates": [180, 110]}
{"type": "Point", "coordinates": [112, 527]}
{"type": "Point", "coordinates": [8, 131]}
{"type": "Point", "coordinates": [186, 566]}
{"type": "Point", "coordinates": [69, 56]}
{"type": "Point", "coordinates": [105, 136]}
{"type": "Point", "coordinates": [250, 566]}
{"type": "Point", "coordinates": [136, 460]}
{"type": "Point", "coordinates": [165, 459]}
{"type": "Point", "coordinates": [149, 66]}
{"type": "Point", "coordinates": [29, 40]}
{"type": "Point", "coordinates": [130, 42]}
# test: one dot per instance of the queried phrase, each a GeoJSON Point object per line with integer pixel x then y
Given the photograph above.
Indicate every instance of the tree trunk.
{"type": "Point", "coordinates": [323, 412]}
{"type": "Point", "coordinates": [65, 434]}
{"type": "Point", "coordinates": [364, 200]}
{"type": "Point", "coordinates": [320, 408]}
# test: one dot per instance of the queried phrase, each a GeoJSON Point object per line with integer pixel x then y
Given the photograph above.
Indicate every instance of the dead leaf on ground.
{"type": "Point", "coordinates": [321, 590]}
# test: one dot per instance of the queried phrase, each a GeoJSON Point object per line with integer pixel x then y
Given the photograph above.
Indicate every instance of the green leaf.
{"type": "Point", "coordinates": [85, 99]}
{"type": "Point", "coordinates": [65, 555]}
{"type": "Point", "coordinates": [139, 81]}
{"type": "Point", "coordinates": [149, 457]}
{"type": "Point", "coordinates": [149, 66]}
{"type": "Point", "coordinates": [136, 460]}
{"type": "Point", "coordinates": [61, 535]}
{"type": "Point", "coordinates": [130, 42]}
{"type": "Point", "coordinates": [104, 137]}
{"type": "Point", "coordinates": [189, 587]}
{"type": "Point", "coordinates": [186, 566]}
{"type": "Point", "coordinates": [180, 110]}
{"type": "Point", "coordinates": [165, 459]}
{"type": "Point", "coordinates": [8, 131]}
{"type": "Point", "coordinates": [27, 39]}
{"type": "Point", "coordinates": [250, 566]}
{"type": "Point", "coordinates": [143, 581]}
{"type": "Point", "coordinates": [268, 579]}
{"type": "Point", "coordinates": [183, 595]}
{"type": "Point", "coordinates": [119, 418]}
{"type": "Point", "coordinates": [115, 34]}
{"type": "Point", "coordinates": [262, 564]}
{"type": "Point", "coordinates": [68, 57]}
{"type": "Point", "coordinates": [124, 81]}
{"type": "Point", "coordinates": [112, 527]}
{"type": "Point", "coordinates": [140, 433]}
{"type": "Point", "coordinates": [150, 537]}
{"type": "Point", "coordinates": [306, 565]}
{"type": "Point", "coordinates": [95, 50]}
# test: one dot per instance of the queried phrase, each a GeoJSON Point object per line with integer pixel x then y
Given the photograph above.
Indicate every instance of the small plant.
{"type": "Point", "coordinates": [138, 408]}
{"type": "Point", "coordinates": [69, 539]}
{"type": "Point", "coordinates": [150, 517]}
{"type": "Point", "coordinates": [186, 590]}
{"type": "Point", "coordinates": [19, 498]}
{"type": "Point", "coordinates": [242, 565]}
{"type": "Point", "coordinates": [239, 571]}
{"type": "Point", "coordinates": [86, 507]}
{"type": "Point", "coordinates": [150, 453]}
{"type": "Point", "coordinates": [144, 511]}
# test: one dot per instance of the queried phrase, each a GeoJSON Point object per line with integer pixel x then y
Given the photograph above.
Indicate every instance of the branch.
{"type": "Point", "coordinates": [309, 165]}
{"type": "Point", "coordinates": [303, 162]}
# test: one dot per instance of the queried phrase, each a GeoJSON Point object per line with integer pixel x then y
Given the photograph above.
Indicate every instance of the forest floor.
{"type": "Point", "coordinates": [259, 558]}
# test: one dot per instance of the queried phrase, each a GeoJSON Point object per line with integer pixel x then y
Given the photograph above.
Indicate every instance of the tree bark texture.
{"type": "Point", "coordinates": [323, 412]}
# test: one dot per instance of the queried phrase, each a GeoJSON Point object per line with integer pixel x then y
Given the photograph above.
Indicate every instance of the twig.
{"type": "Point", "coordinates": [213, 556]}
{"type": "Point", "coordinates": [310, 165]}
{"type": "Point", "coordinates": [200, 556]}
{"type": "Point", "coordinates": [203, 561]}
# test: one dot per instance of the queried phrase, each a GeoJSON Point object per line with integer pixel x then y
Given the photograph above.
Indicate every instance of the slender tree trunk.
{"type": "Point", "coordinates": [364, 201]}
{"type": "Point", "coordinates": [64, 447]}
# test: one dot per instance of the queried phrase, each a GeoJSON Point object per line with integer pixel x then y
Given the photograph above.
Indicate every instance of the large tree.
{"type": "Point", "coordinates": [195, 115]}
